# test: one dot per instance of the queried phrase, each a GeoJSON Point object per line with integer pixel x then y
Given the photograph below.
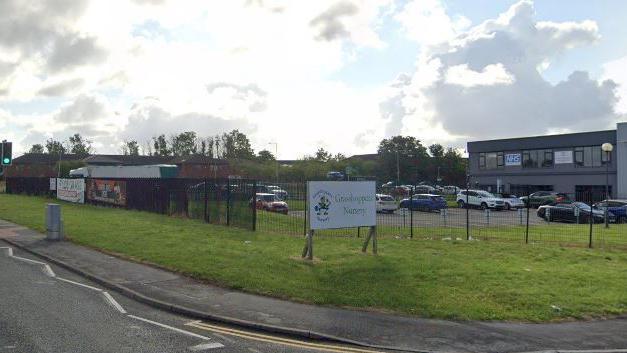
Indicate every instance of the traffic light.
{"type": "Point", "coordinates": [7, 149]}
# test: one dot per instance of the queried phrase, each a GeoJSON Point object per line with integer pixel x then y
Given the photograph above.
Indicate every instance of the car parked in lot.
{"type": "Point", "coordinates": [617, 207]}
{"type": "Point", "coordinates": [386, 203]}
{"type": "Point", "coordinates": [479, 198]}
{"type": "Point", "coordinates": [270, 202]}
{"type": "Point", "coordinates": [280, 193]}
{"type": "Point", "coordinates": [567, 212]}
{"type": "Point", "coordinates": [425, 189]}
{"type": "Point", "coordinates": [424, 202]}
{"type": "Point", "coordinates": [450, 190]}
{"type": "Point", "coordinates": [540, 198]}
{"type": "Point", "coordinates": [511, 201]}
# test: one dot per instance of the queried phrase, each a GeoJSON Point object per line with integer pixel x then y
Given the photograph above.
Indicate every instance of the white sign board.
{"type": "Point", "coordinates": [512, 159]}
{"type": "Point", "coordinates": [341, 204]}
{"type": "Point", "coordinates": [53, 184]}
{"type": "Point", "coordinates": [72, 190]}
{"type": "Point", "coordinates": [563, 157]}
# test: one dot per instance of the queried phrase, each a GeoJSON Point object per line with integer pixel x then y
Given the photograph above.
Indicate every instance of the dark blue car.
{"type": "Point", "coordinates": [424, 202]}
{"type": "Point", "coordinates": [616, 207]}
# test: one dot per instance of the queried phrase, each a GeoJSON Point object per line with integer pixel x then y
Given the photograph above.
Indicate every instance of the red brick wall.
{"type": "Point", "coordinates": [31, 170]}
{"type": "Point", "coordinates": [203, 171]}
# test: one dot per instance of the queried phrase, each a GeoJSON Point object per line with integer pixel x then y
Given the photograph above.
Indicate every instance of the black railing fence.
{"type": "Point", "coordinates": [569, 219]}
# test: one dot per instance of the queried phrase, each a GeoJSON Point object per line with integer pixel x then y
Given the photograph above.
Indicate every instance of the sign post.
{"type": "Point", "coordinates": [340, 204]}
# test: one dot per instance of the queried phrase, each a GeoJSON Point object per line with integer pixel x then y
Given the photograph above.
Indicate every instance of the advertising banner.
{"type": "Point", "coordinates": [512, 159]}
{"type": "Point", "coordinates": [72, 190]}
{"type": "Point", "coordinates": [563, 157]}
{"type": "Point", "coordinates": [109, 191]}
{"type": "Point", "coordinates": [53, 184]}
{"type": "Point", "coordinates": [341, 204]}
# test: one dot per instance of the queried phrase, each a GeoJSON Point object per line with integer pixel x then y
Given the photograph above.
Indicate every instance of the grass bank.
{"type": "Point", "coordinates": [428, 278]}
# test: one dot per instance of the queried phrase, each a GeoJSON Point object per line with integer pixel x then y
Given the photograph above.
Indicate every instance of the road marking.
{"type": "Point", "coordinates": [170, 327]}
{"type": "Point", "coordinates": [205, 346]}
{"type": "Point", "coordinates": [47, 270]}
{"type": "Point", "coordinates": [113, 302]}
{"type": "Point", "coordinates": [79, 284]}
{"type": "Point", "coordinates": [278, 340]}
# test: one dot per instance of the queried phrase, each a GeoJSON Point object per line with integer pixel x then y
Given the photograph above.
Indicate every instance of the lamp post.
{"type": "Point", "coordinates": [607, 148]}
{"type": "Point", "coordinates": [276, 158]}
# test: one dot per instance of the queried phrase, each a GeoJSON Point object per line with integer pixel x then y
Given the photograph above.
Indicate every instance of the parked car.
{"type": "Point", "coordinates": [424, 202]}
{"type": "Point", "coordinates": [386, 203]}
{"type": "Point", "coordinates": [511, 201]}
{"type": "Point", "coordinates": [617, 207]}
{"type": "Point", "coordinates": [479, 198]}
{"type": "Point", "coordinates": [425, 189]}
{"type": "Point", "coordinates": [450, 190]}
{"type": "Point", "coordinates": [567, 212]}
{"type": "Point", "coordinates": [338, 176]}
{"type": "Point", "coordinates": [280, 193]}
{"type": "Point", "coordinates": [270, 202]}
{"type": "Point", "coordinates": [540, 198]}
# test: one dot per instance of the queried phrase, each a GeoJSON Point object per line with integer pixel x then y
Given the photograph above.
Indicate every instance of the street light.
{"type": "Point", "coordinates": [607, 148]}
{"type": "Point", "coordinates": [276, 158]}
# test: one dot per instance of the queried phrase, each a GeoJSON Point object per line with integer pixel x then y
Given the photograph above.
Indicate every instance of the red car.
{"type": "Point", "coordinates": [271, 203]}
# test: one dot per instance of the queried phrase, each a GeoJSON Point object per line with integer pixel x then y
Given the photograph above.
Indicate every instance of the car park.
{"type": "Point", "coordinates": [479, 198]}
{"type": "Point", "coordinates": [511, 201]}
{"type": "Point", "coordinates": [424, 202]}
{"type": "Point", "coordinates": [386, 203]}
{"type": "Point", "coordinates": [540, 198]}
{"type": "Point", "coordinates": [270, 202]}
{"type": "Point", "coordinates": [575, 212]}
{"type": "Point", "coordinates": [617, 207]}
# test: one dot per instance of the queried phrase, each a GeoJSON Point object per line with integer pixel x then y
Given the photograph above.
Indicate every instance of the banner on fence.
{"type": "Point", "coordinates": [109, 191]}
{"type": "Point", "coordinates": [341, 204]}
{"type": "Point", "coordinates": [53, 184]}
{"type": "Point", "coordinates": [72, 190]}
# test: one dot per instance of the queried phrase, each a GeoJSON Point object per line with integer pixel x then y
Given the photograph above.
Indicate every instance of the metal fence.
{"type": "Point", "coordinates": [576, 220]}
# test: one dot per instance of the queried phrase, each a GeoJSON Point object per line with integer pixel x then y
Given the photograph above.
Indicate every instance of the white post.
{"type": "Point", "coordinates": [487, 216]}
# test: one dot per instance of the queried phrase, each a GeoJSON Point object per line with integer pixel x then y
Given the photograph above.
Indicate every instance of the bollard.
{"type": "Point", "coordinates": [577, 214]}
{"type": "Point", "coordinates": [487, 216]}
{"type": "Point", "coordinates": [520, 216]}
{"type": "Point", "coordinates": [54, 224]}
{"type": "Point", "coordinates": [444, 215]}
{"type": "Point", "coordinates": [548, 215]}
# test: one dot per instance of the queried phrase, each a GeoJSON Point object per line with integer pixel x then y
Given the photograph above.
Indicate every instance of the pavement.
{"type": "Point", "coordinates": [190, 298]}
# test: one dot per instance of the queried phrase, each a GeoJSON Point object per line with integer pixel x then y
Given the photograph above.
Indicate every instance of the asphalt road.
{"type": "Point", "coordinates": [456, 217]}
{"type": "Point", "coordinates": [48, 310]}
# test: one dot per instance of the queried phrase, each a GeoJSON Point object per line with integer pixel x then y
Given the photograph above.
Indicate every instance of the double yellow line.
{"type": "Point", "coordinates": [276, 340]}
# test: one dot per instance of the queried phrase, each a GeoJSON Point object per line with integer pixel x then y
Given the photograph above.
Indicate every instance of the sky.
{"type": "Point", "coordinates": [336, 74]}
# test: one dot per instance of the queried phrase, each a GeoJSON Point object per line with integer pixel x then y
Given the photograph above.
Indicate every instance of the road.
{"type": "Point", "coordinates": [46, 309]}
{"type": "Point", "coordinates": [455, 217]}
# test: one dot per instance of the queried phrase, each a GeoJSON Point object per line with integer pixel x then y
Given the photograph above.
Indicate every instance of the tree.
{"type": "Point", "coordinates": [79, 146]}
{"type": "Point", "coordinates": [265, 156]}
{"type": "Point", "coordinates": [36, 148]}
{"type": "Point", "coordinates": [436, 150]}
{"type": "Point", "coordinates": [235, 145]}
{"type": "Point", "coordinates": [404, 154]}
{"type": "Point", "coordinates": [160, 145]}
{"type": "Point", "coordinates": [54, 147]}
{"type": "Point", "coordinates": [130, 148]}
{"type": "Point", "coordinates": [322, 155]}
{"type": "Point", "coordinates": [183, 144]}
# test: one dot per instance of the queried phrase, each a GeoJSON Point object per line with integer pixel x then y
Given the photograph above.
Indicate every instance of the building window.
{"type": "Point", "coordinates": [491, 160]}
{"type": "Point", "coordinates": [537, 159]}
{"type": "Point", "coordinates": [590, 156]}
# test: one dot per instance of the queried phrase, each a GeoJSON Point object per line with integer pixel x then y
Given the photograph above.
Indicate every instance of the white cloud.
{"type": "Point", "coordinates": [487, 83]}
{"type": "Point", "coordinates": [427, 22]}
{"type": "Point", "coordinates": [615, 70]}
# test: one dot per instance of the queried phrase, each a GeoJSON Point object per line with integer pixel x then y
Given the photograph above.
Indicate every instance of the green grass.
{"type": "Point", "coordinates": [427, 278]}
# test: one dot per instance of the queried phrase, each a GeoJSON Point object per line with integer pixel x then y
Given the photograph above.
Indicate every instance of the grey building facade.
{"type": "Point", "coordinates": [568, 163]}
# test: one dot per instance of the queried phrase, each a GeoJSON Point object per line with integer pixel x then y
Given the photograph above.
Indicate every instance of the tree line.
{"type": "Point", "coordinates": [400, 159]}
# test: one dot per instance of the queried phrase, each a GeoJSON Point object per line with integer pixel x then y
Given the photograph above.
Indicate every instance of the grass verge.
{"type": "Point", "coordinates": [427, 278]}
